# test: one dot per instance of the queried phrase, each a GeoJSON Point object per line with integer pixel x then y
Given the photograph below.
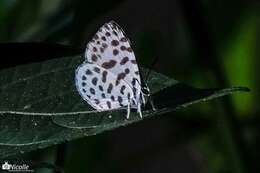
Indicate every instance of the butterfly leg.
{"type": "Point", "coordinates": [152, 104]}
{"type": "Point", "coordinates": [128, 110]}
{"type": "Point", "coordinates": [139, 110]}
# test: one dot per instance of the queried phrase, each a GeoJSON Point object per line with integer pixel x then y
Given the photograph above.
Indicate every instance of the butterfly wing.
{"type": "Point", "coordinates": [111, 49]}
{"type": "Point", "coordinates": [97, 86]}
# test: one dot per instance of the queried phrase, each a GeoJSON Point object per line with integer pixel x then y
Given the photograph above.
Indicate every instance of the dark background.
{"type": "Point", "coordinates": [202, 43]}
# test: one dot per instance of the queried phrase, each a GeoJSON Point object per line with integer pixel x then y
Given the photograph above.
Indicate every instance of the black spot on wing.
{"type": "Point", "coordinates": [84, 77]}
{"type": "Point", "coordinates": [100, 88]}
{"type": "Point", "coordinates": [110, 87]}
{"type": "Point", "coordinates": [112, 98]}
{"type": "Point", "coordinates": [92, 91]}
{"type": "Point", "coordinates": [114, 43]}
{"type": "Point", "coordinates": [94, 81]}
{"type": "Point", "coordinates": [122, 89]}
{"type": "Point", "coordinates": [103, 38]}
{"type": "Point", "coordinates": [97, 101]}
{"type": "Point", "coordinates": [123, 48]}
{"type": "Point", "coordinates": [109, 104]}
{"type": "Point", "coordinates": [124, 60]}
{"type": "Point", "coordinates": [88, 72]}
{"type": "Point", "coordinates": [115, 52]}
{"type": "Point", "coordinates": [96, 69]}
{"type": "Point", "coordinates": [119, 77]}
{"type": "Point", "coordinates": [127, 71]}
{"type": "Point", "coordinates": [109, 64]}
{"type": "Point", "coordinates": [108, 34]}
{"type": "Point", "coordinates": [104, 76]}
{"type": "Point", "coordinates": [120, 100]}
{"type": "Point", "coordinates": [94, 57]}
{"type": "Point", "coordinates": [123, 39]}
{"type": "Point", "coordinates": [134, 81]}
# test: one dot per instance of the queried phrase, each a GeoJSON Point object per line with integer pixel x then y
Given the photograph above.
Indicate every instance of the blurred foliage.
{"type": "Point", "coordinates": [204, 43]}
{"type": "Point", "coordinates": [239, 53]}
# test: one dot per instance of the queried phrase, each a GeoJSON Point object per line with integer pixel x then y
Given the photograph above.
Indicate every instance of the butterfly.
{"type": "Point", "coordinates": [110, 78]}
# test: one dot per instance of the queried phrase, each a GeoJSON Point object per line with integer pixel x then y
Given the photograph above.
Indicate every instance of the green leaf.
{"type": "Point", "coordinates": [40, 107]}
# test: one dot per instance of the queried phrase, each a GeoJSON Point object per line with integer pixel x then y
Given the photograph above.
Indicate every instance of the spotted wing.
{"type": "Point", "coordinates": [111, 50]}
{"type": "Point", "coordinates": [97, 86]}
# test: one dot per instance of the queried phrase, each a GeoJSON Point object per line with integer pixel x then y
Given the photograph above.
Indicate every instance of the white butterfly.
{"type": "Point", "coordinates": [109, 78]}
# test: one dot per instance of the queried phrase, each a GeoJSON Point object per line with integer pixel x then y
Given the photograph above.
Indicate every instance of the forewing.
{"type": "Point", "coordinates": [97, 86]}
{"type": "Point", "coordinates": [110, 49]}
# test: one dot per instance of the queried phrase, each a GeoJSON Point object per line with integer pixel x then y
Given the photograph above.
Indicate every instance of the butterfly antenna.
{"type": "Point", "coordinates": [149, 70]}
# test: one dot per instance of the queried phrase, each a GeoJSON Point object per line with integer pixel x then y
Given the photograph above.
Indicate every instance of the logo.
{"type": "Point", "coordinates": [6, 166]}
{"type": "Point", "coordinates": [16, 167]}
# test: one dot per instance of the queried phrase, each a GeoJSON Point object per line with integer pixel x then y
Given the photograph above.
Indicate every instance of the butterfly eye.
{"type": "Point", "coordinates": [146, 91]}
